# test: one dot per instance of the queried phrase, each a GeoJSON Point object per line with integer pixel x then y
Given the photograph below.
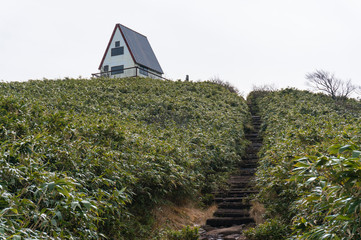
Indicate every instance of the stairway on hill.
{"type": "Point", "coordinates": [233, 213]}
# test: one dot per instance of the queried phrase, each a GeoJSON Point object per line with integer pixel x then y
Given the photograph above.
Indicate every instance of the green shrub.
{"type": "Point", "coordinates": [89, 159]}
{"type": "Point", "coordinates": [329, 206]}
{"type": "Point", "coordinates": [304, 176]}
{"type": "Point", "coordinates": [270, 230]}
{"type": "Point", "coordinates": [187, 233]}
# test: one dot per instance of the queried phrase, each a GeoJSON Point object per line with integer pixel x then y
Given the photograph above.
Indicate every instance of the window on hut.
{"type": "Point", "coordinates": [117, 69]}
{"type": "Point", "coordinates": [117, 51]}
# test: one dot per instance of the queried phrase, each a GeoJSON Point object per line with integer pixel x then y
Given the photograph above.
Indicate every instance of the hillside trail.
{"type": "Point", "coordinates": [234, 204]}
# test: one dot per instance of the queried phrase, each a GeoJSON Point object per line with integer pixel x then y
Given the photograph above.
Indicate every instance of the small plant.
{"type": "Point", "coordinates": [207, 199]}
{"type": "Point", "coordinates": [187, 233]}
{"type": "Point", "coordinates": [270, 230]}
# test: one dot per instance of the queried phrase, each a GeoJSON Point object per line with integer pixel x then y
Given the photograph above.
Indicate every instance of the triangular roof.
{"type": "Point", "coordinates": [139, 48]}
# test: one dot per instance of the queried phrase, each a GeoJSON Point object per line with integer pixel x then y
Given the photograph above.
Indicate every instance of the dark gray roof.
{"type": "Point", "coordinates": [141, 49]}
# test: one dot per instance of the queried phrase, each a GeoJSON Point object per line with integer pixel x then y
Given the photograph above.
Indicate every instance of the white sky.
{"type": "Point", "coordinates": [245, 42]}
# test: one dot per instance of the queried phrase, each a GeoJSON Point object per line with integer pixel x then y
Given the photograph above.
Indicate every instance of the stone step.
{"type": "Point", "coordinates": [251, 155]}
{"type": "Point", "coordinates": [252, 150]}
{"type": "Point", "coordinates": [254, 132]}
{"type": "Point", "coordinates": [255, 163]}
{"type": "Point", "coordinates": [247, 172]}
{"type": "Point", "coordinates": [255, 144]}
{"type": "Point", "coordinates": [252, 164]}
{"type": "Point", "coordinates": [233, 202]}
{"type": "Point", "coordinates": [252, 135]}
{"type": "Point", "coordinates": [221, 196]}
{"type": "Point", "coordinates": [242, 188]}
{"type": "Point", "coordinates": [239, 177]}
{"type": "Point", "coordinates": [240, 194]}
{"type": "Point", "coordinates": [248, 190]}
{"type": "Point", "coordinates": [246, 165]}
{"type": "Point", "coordinates": [245, 169]}
{"type": "Point", "coordinates": [242, 191]}
{"type": "Point", "coordinates": [240, 181]}
{"type": "Point", "coordinates": [233, 205]}
{"type": "Point", "coordinates": [231, 213]}
{"type": "Point", "coordinates": [250, 159]}
{"type": "Point", "coordinates": [228, 221]}
{"type": "Point", "coordinates": [241, 185]}
{"type": "Point", "coordinates": [229, 199]}
{"type": "Point", "coordinates": [254, 129]}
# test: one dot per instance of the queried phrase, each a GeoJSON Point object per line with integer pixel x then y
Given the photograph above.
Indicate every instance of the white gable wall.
{"type": "Point", "coordinates": [124, 59]}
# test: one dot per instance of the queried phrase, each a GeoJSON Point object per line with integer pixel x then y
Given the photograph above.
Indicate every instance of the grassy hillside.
{"type": "Point", "coordinates": [88, 159]}
{"type": "Point", "coordinates": [309, 174]}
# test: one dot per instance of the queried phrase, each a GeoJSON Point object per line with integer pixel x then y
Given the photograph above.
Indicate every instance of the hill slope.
{"type": "Point", "coordinates": [309, 173]}
{"type": "Point", "coordinates": [88, 159]}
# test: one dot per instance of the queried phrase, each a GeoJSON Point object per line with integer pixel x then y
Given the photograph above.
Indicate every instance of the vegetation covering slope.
{"type": "Point", "coordinates": [88, 159]}
{"type": "Point", "coordinates": [310, 168]}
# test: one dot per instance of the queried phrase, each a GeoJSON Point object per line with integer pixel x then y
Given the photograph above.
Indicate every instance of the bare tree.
{"type": "Point", "coordinates": [326, 82]}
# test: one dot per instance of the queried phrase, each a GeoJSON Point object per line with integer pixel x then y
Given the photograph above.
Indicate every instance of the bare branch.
{"type": "Point", "coordinates": [225, 84]}
{"type": "Point", "coordinates": [326, 82]}
{"type": "Point", "coordinates": [266, 87]}
{"type": "Point", "coordinates": [347, 88]}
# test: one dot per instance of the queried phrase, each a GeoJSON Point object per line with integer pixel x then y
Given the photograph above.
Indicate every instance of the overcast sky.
{"type": "Point", "coordinates": [245, 42]}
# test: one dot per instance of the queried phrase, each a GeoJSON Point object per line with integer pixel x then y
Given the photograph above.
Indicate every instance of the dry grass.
{"type": "Point", "coordinates": [176, 217]}
{"type": "Point", "coordinates": [257, 212]}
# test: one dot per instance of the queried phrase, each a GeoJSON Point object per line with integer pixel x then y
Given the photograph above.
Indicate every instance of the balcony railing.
{"type": "Point", "coordinates": [128, 72]}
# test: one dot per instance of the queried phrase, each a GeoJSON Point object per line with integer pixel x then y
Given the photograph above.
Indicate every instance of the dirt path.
{"type": "Point", "coordinates": [233, 213]}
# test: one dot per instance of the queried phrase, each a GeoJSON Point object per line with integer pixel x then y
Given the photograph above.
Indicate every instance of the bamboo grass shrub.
{"type": "Point", "coordinates": [89, 159]}
{"type": "Point", "coordinates": [308, 173]}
